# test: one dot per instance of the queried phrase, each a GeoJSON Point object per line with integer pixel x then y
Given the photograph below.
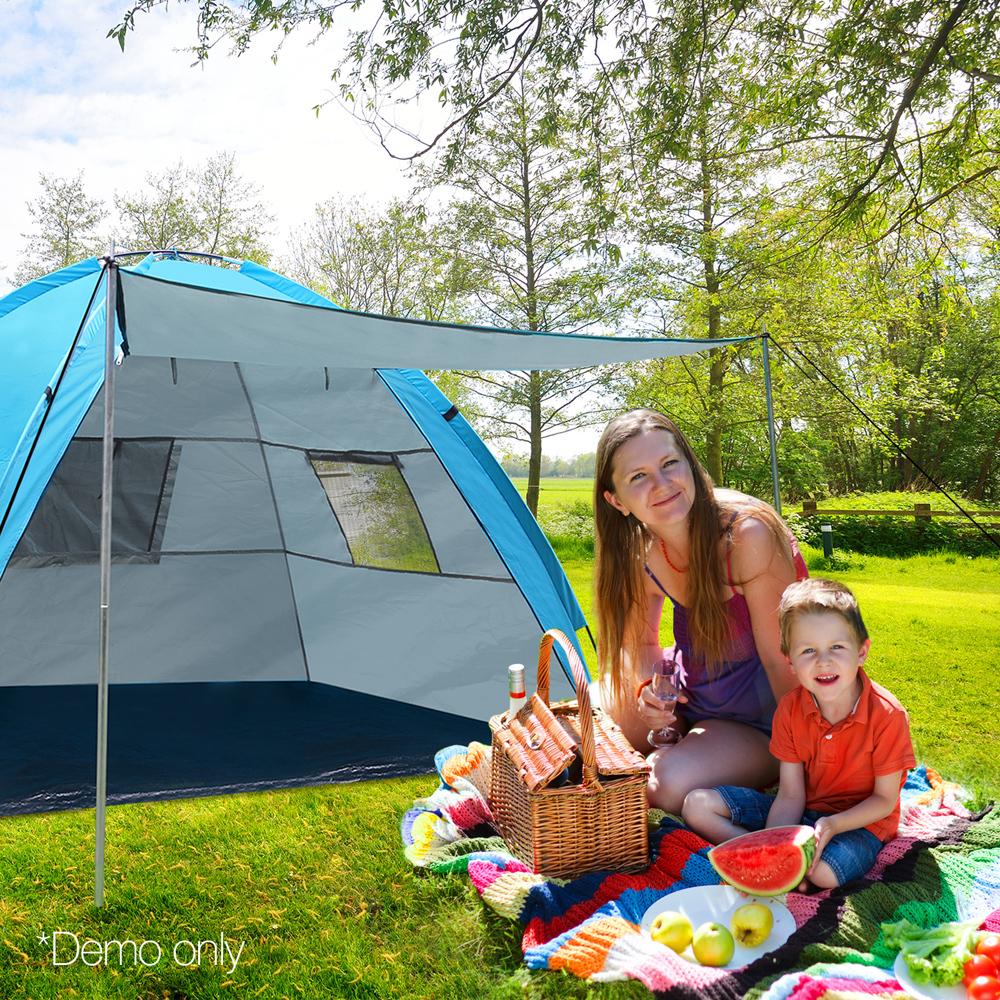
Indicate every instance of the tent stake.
{"type": "Point", "coordinates": [770, 424]}
{"type": "Point", "coordinates": [106, 486]}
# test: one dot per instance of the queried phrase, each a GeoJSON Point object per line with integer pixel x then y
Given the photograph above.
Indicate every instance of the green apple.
{"type": "Point", "coordinates": [713, 944]}
{"type": "Point", "coordinates": [672, 929]}
{"type": "Point", "coordinates": [751, 924]}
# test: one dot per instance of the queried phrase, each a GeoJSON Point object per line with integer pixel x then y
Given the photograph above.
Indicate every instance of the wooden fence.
{"type": "Point", "coordinates": [920, 511]}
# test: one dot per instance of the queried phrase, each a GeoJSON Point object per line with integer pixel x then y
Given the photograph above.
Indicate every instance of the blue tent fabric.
{"type": "Point", "coordinates": [36, 332]}
{"type": "Point", "coordinates": [258, 635]}
{"type": "Point", "coordinates": [24, 294]}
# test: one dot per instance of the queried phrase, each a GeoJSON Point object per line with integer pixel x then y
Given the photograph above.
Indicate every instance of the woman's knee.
{"type": "Point", "coordinates": [669, 781]}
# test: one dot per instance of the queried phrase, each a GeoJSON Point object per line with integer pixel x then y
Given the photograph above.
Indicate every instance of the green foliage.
{"type": "Point", "coordinates": [565, 516]}
{"type": "Point", "coordinates": [516, 466]}
{"type": "Point", "coordinates": [892, 536]}
{"type": "Point", "coordinates": [65, 222]}
{"type": "Point", "coordinates": [896, 535]}
{"type": "Point", "coordinates": [388, 259]}
{"type": "Point", "coordinates": [519, 219]}
{"type": "Point", "coordinates": [896, 103]}
{"type": "Point", "coordinates": [826, 170]}
{"type": "Point", "coordinates": [209, 209]}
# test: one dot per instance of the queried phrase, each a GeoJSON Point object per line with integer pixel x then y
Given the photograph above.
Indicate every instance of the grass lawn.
{"type": "Point", "coordinates": [313, 882]}
{"type": "Point", "coordinates": [554, 492]}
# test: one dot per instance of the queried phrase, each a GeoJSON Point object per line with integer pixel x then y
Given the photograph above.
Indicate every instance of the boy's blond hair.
{"type": "Point", "coordinates": [818, 596]}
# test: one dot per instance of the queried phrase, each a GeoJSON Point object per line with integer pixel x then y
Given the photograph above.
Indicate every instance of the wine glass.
{"type": "Point", "coordinates": [664, 686]}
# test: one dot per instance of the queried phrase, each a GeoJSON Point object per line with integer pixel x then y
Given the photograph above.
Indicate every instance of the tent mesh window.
{"type": "Point", "coordinates": [66, 524]}
{"type": "Point", "coordinates": [376, 510]}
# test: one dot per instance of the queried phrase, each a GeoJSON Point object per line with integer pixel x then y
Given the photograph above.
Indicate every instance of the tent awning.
{"type": "Point", "coordinates": [169, 319]}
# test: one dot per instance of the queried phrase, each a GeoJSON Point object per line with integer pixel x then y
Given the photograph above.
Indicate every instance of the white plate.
{"type": "Point", "coordinates": [924, 991]}
{"type": "Point", "coordinates": [717, 903]}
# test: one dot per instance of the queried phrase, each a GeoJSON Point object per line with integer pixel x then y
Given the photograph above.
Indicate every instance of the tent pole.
{"type": "Point", "coordinates": [770, 424]}
{"type": "Point", "coordinates": [106, 486]}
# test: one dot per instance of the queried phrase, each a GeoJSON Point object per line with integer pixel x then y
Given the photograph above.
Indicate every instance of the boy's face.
{"type": "Point", "coordinates": [825, 655]}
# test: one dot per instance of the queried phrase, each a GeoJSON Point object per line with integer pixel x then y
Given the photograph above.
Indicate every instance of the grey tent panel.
{"type": "Point", "coordinates": [187, 618]}
{"type": "Point", "coordinates": [221, 499]}
{"type": "Point", "coordinates": [66, 524]}
{"type": "Point", "coordinates": [206, 401]}
{"type": "Point", "coordinates": [412, 637]}
{"type": "Point", "coordinates": [459, 541]}
{"type": "Point", "coordinates": [294, 406]}
{"type": "Point", "coordinates": [63, 598]}
{"type": "Point", "coordinates": [171, 320]}
{"type": "Point", "coordinates": [307, 522]}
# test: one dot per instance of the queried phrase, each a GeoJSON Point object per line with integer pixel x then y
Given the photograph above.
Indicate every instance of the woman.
{"type": "Point", "coordinates": [723, 559]}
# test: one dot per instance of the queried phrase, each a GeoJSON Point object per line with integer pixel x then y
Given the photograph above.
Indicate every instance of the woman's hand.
{"type": "Point", "coordinates": [656, 713]}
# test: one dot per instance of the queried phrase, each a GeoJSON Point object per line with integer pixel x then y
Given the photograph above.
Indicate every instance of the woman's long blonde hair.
{"type": "Point", "coordinates": [620, 547]}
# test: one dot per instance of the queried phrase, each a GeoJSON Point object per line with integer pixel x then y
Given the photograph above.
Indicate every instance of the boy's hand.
{"type": "Point", "coordinates": [826, 830]}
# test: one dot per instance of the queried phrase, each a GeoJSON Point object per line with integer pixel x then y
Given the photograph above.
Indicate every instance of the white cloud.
{"type": "Point", "coordinates": [70, 100]}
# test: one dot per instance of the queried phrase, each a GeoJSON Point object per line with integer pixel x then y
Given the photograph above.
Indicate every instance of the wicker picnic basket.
{"type": "Point", "coordinates": [564, 830]}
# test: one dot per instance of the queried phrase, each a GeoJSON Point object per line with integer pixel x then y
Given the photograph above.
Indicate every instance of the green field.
{"type": "Point", "coordinates": [562, 492]}
{"type": "Point", "coordinates": [558, 492]}
{"type": "Point", "coordinates": [315, 886]}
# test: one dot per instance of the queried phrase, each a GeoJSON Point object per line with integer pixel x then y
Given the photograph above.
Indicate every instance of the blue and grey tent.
{"type": "Point", "coordinates": [319, 572]}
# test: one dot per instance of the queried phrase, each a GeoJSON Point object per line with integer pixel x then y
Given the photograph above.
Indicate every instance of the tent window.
{"type": "Point", "coordinates": [377, 512]}
{"type": "Point", "coordinates": [67, 521]}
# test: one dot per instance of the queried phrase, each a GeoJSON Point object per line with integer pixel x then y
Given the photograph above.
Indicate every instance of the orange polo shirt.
{"type": "Point", "coordinates": [842, 761]}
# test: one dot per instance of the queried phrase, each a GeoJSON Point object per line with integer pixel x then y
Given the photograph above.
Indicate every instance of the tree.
{"type": "Point", "coordinates": [65, 227]}
{"type": "Point", "coordinates": [902, 95]}
{"type": "Point", "coordinates": [385, 260]}
{"type": "Point", "coordinates": [713, 219]}
{"type": "Point", "coordinates": [520, 223]}
{"type": "Point", "coordinates": [210, 209]}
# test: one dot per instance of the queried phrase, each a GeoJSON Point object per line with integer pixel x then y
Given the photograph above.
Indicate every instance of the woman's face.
{"type": "Point", "coordinates": [652, 479]}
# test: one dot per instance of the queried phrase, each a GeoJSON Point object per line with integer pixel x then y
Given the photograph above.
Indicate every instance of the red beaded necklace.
{"type": "Point", "coordinates": [676, 569]}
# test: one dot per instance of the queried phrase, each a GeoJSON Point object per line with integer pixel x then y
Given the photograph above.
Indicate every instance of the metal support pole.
{"type": "Point", "coordinates": [106, 487]}
{"type": "Point", "coordinates": [770, 425]}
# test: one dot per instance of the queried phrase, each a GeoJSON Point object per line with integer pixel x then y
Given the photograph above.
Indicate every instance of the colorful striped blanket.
{"type": "Point", "coordinates": [944, 865]}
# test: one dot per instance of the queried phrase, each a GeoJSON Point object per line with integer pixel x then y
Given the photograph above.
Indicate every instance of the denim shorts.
{"type": "Point", "coordinates": [850, 855]}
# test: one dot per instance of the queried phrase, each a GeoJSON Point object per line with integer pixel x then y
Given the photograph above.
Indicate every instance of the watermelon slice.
{"type": "Point", "coordinates": [768, 862]}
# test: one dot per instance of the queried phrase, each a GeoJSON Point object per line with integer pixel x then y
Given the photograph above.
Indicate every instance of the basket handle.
{"type": "Point", "coordinates": [588, 748]}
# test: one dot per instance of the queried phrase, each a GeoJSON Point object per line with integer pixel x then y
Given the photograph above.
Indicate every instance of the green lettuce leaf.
{"type": "Point", "coordinates": [937, 955]}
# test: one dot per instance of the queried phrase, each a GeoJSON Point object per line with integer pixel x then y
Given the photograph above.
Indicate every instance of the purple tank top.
{"type": "Point", "coordinates": [739, 690]}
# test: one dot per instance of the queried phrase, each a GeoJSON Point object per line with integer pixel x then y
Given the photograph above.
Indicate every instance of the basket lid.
{"type": "Point", "coordinates": [613, 752]}
{"type": "Point", "coordinates": [537, 745]}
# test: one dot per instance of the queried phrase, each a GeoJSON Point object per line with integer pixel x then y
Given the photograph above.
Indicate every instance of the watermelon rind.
{"type": "Point", "coordinates": [767, 862]}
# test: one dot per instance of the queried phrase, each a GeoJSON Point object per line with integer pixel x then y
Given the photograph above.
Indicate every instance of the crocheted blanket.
{"type": "Point", "coordinates": [944, 865]}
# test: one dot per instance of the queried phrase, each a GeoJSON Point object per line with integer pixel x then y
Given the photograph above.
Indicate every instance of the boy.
{"type": "Point", "coordinates": [842, 743]}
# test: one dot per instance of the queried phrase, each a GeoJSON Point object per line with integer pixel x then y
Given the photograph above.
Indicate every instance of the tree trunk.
{"type": "Point", "coordinates": [535, 449]}
{"type": "Point", "coordinates": [534, 377]}
{"type": "Point", "coordinates": [713, 444]}
{"type": "Point", "coordinates": [718, 365]}
{"type": "Point", "coordinates": [986, 467]}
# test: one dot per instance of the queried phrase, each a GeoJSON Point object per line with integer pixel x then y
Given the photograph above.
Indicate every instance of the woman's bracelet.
{"type": "Point", "coordinates": [642, 684]}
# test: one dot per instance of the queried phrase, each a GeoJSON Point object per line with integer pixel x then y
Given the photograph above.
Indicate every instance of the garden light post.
{"type": "Point", "coordinates": [111, 269]}
{"type": "Point", "coordinates": [827, 532]}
